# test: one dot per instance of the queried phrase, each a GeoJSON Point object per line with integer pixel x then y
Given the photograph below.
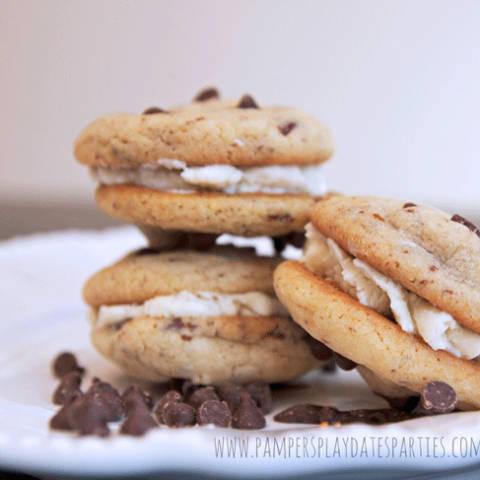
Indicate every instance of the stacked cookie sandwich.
{"type": "Point", "coordinates": [186, 307]}
{"type": "Point", "coordinates": [393, 287]}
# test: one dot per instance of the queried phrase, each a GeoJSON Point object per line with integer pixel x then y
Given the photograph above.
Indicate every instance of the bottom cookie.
{"type": "Point", "coordinates": [207, 350]}
{"type": "Point", "coordinates": [370, 339]}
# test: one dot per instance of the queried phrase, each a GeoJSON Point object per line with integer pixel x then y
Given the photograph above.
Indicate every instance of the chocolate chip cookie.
{"type": "Point", "coordinates": [207, 317]}
{"type": "Point", "coordinates": [393, 286]}
{"type": "Point", "coordinates": [210, 166]}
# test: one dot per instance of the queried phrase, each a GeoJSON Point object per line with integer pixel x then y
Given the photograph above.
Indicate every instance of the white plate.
{"type": "Point", "coordinates": [43, 314]}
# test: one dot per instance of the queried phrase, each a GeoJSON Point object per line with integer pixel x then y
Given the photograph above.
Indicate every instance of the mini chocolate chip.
{"type": "Point", "coordinates": [262, 395]}
{"type": "Point", "coordinates": [89, 418]}
{"type": "Point", "coordinates": [318, 349]}
{"type": "Point", "coordinates": [214, 412]}
{"type": "Point", "coordinates": [134, 389]}
{"type": "Point", "coordinates": [202, 395]}
{"type": "Point", "coordinates": [438, 397]}
{"type": "Point", "coordinates": [247, 416]}
{"type": "Point", "coordinates": [329, 366]}
{"type": "Point", "coordinates": [404, 404]}
{"type": "Point", "coordinates": [469, 225]}
{"type": "Point", "coordinates": [170, 397]}
{"type": "Point", "coordinates": [231, 395]}
{"type": "Point", "coordinates": [343, 362]}
{"type": "Point", "coordinates": [184, 386]}
{"type": "Point", "coordinates": [178, 414]}
{"type": "Point", "coordinates": [279, 243]}
{"type": "Point", "coordinates": [286, 127]}
{"type": "Point", "coordinates": [65, 363]}
{"type": "Point", "coordinates": [60, 421]}
{"type": "Point", "coordinates": [306, 413]}
{"type": "Point", "coordinates": [147, 251]}
{"type": "Point", "coordinates": [136, 401]}
{"type": "Point", "coordinates": [153, 110]}
{"type": "Point", "coordinates": [97, 386]}
{"type": "Point", "coordinates": [379, 416]}
{"type": "Point", "coordinates": [297, 239]}
{"type": "Point", "coordinates": [408, 205]}
{"type": "Point", "coordinates": [113, 407]}
{"type": "Point", "coordinates": [201, 241]}
{"type": "Point", "coordinates": [69, 385]}
{"type": "Point", "coordinates": [138, 423]}
{"type": "Point", "coordinates": [209, 93]}
{"type": "Point", "coordinates": [247, 101]}
{"type": "Point", "coordinates": [175, 324]}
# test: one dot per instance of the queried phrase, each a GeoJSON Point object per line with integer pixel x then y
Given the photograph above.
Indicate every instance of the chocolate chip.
{"type": "Point", "coordinates": [112, 405]}
{"type": "Point", "coordinates": [65, 363]}
{"type": "Point", "coordinates": [97, 386]}
{"type": "Point", "coordinates": [178, 414]}
{"type": "Point", "coordinates": [138, 423]}
{"type": "Point", "coordinates": [60, 421]}
{"type": "Point", "coordinates": [202, 395]}
{"type": "Point", "coordinates": [438, 397]}
{"type": "Point", "coordinates": [262, 395]}
{"type": "Point", "coordinates": [147, 251]}
{"type": "Point", "coordinates": [329, 366]}
{"type": "Point", "coordinates": [136, 402]}
{"type": "Point", "coordinates": [316, 414]}
{"type": "Point", "coordinates": [69, 385]}
{"type": "Point", "coordinates": [469, 225]}
{"type": "Point", "coordinates": [279, 243]}
{"type": "Point", "coordinates": [153, 110]}
{"type": "Point", "coordinates": [207, 94]}
{"type": "Point", "coordinates": [343, 362]}
{"type": "Point", "coordinates": [318, 349]}
{"type": "Point", "coordinates": [170, 397]}
{"type": "Point", "coordinates": [184, 386]}
{"type": "Point", "coordinates": [408, 205]}
{"type": "Point", "coordinates": [379, 416]}
{"type": "Point", "coordinates": [135, 390]}
{"type": "Point", "coordinates": [175, 324]}
{"type": "Point", "coordinates": [89, 418]}
{"type": "Point", "coordinates": [306, 413]}
{"type": "Point", "coordinates": [214, 412]}
{"type": "Point", "coordinates": [405, 404]}
{"type": "Point", "coordinates": [247, 101]}
{"type": "Point", "coordinates": [231, 395]}
{"type": "Point", "coordinates": [201, 241]}
{"type": "Point", "coordinates": [247, 416]}
{"type": "Point", "coordinates": [286, 127]}
{"type": "Point", "coordinates": [297, 239]}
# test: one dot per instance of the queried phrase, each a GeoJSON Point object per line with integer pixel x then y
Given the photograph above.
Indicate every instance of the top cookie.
{"type": "Point", "coordinates": [429, 252]}
{"type": "Point", "coordinates": [207, 131]}
{"type": "Point", "coordinates": [145, 274]}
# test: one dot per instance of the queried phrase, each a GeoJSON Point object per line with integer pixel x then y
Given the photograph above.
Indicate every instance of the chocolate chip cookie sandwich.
{"type": "Point", "coordinates": [212, 166]}
{"type": "Point", "coordinates": [393, 287]}
{"type": "Point", "coordinates": [210, 317]}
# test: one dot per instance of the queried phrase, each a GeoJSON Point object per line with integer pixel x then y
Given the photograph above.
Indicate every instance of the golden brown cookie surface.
{"type": "Point", "coordinates": [418, 246]}
{"type": "Point", "coordinates": [207, 350]}
{"type": "Point", "coordinates": [206, 133]}
{"type": "Point", "coordinates": [143, 275]}
{"type": "Point", "coordinates": [251, 215]}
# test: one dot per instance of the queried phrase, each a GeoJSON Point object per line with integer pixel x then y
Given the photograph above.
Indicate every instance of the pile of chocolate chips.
{"type": "Point", "coordinates": [231, 405]}
{"type": "Point", "coordinates": [436, 398]}
{"type": "Point", "coordinates": [185, 405]}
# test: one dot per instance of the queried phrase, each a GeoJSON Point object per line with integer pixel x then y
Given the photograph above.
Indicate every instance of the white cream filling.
{"type": "Point", "coordinates": [174, 175]}
{"type": "Point", "coordinates": [199, 304]}
{"type": "Point", "coordinates": [375, 290]}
